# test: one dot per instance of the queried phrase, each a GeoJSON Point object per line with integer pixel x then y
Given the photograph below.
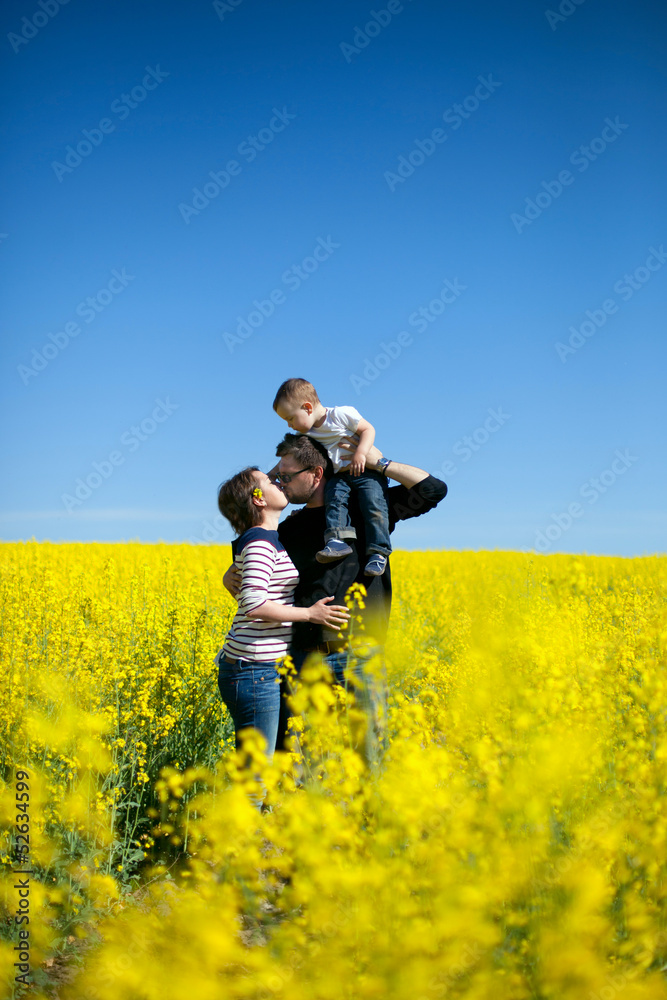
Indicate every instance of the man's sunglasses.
{"type": "Point", "coordinates": [287, 477]}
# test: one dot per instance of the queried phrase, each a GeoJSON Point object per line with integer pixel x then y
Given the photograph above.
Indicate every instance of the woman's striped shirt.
{"type": "Point", "coordinates": [268, 574]}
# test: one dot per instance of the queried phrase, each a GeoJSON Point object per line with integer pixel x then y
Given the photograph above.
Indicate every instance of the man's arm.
{"type": "Point", "coordinates": [232, 580]}
{"type": "Point", "coordinates": [417, 494]}
{"type": "Point", "coordinates": [406, 475]}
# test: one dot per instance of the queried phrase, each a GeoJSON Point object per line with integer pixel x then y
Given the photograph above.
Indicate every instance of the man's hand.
{"type": "Point", "coordinates": [372, 458]}
{"type": "Point", "coordinates": [232, 581]}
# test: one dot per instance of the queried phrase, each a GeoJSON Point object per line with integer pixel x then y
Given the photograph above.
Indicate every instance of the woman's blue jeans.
{"type": "Point", "coordinates": [251, 692]}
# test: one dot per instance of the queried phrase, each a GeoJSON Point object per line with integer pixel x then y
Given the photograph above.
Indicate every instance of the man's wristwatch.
{"type": "Point", "coordinates": [382, 465]}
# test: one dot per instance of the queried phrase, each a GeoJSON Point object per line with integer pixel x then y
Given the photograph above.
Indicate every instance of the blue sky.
{"type": "Point", "coordinates": [338, 213]}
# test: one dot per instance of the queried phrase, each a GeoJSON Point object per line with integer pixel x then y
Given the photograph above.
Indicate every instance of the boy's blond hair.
{"type": "Point", "coordinates": [296, 390]}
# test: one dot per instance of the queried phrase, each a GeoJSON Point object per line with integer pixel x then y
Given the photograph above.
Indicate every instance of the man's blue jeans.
{"type": "Point", "coordinates": [371, 489]}
{"type": "Point", "coordinates": [369, 693]}
{"type": "Point", "coordinates": [251, 692]}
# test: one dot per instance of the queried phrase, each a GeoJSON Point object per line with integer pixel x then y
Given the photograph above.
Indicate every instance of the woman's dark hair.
{"type": "Point", "coordinates": [235, 500]}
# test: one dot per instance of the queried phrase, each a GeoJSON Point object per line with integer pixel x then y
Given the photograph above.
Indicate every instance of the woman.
{"type": "Point", "coordinates": [260, 632]}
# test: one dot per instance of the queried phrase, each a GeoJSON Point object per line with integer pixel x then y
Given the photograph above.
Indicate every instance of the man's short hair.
{"type": "Point", "coordinates": [307, 452]}
{"type": "Point", "coordinates": [296, 390]}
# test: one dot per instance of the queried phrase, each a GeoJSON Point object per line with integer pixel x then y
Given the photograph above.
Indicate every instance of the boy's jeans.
{"type": "Point", "coordinates": [371, 489]}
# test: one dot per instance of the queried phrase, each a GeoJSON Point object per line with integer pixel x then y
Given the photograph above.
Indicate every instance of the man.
{"type": "Point", "coordinates": [302, 472]}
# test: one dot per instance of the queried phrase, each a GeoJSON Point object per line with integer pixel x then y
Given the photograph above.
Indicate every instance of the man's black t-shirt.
{"type": "Point", "coordinates": [302, 534]}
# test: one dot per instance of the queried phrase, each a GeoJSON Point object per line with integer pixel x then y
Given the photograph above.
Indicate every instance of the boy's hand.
{"type": "Point", "coordinates": [357, 463]}
{"type": "Point", "coordinates": [372, 458]}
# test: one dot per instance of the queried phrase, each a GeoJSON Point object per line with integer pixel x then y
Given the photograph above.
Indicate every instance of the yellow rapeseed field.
{"type": "Point", "coordinates": [502, 835]}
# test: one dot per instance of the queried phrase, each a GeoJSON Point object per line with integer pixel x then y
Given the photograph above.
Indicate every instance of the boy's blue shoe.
{"type": "Point", "coordinates": [335, 548]}
{"type": "Point", "coordinates": [376, 565]}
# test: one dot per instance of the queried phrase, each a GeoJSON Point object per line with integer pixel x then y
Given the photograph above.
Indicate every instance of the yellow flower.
{"type": "Point", "coordinates": [490, 791]}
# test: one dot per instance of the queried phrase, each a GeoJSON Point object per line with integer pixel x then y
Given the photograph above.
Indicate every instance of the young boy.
{"type": "Point", "coordinates": [299, 405]}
